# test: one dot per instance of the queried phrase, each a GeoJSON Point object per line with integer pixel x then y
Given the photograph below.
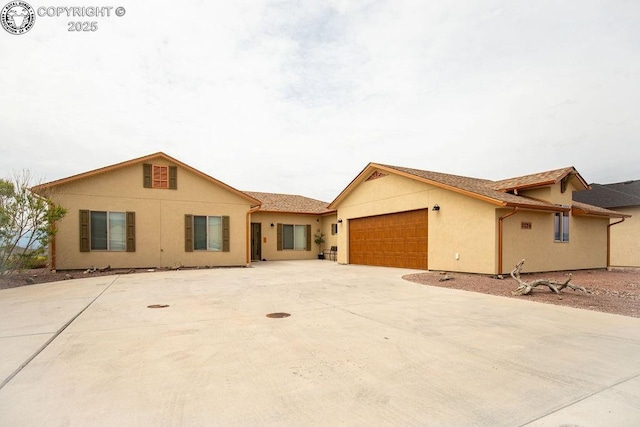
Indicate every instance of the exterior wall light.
{"type": "Point", "coordinates": [271, 225]}
{"type": "Point", "coordinates": [340, 221]}
{"type": "Point", "coordinates": [436, 207]}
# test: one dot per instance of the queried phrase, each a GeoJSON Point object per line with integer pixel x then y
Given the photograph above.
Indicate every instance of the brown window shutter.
{"type": "Point", "coordinates": [84, 231]}
{"type": "Point", "coordinates": [146, 175]}
{"type": "Point", "coordinates": [188, 233]}
{"type": "Point", "coordinates": [173, 177]}
{"type": "Point", "coordinates": [279, 237]}
{"type": "Point", "coordinates": [308, 238]}
{"type": "Point", "coordinates": [131, 231]}
{"type": "Point", "coordinates": [226, 235]}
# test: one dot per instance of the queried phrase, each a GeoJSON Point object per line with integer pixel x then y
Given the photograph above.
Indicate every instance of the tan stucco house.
{"type": "Point", "coordinates": [622, 197]}
{"type": "Point", "coordinates": [284, 227]}
{"type": "Point", "coordinates": [155, 211]}
{"type": "Point", "coordinates": [402, 217]}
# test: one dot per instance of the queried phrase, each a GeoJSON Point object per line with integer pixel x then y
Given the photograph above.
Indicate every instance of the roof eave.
{"type": "Point", "coordinates": [36, 189]}
{"type": "Point", "coordinates": [584, 212]}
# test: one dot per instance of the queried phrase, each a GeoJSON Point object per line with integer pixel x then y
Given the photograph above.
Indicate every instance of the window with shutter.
{"type": "Point", "coordinates": [107, 231]}
{"type": "Point", "coordinates": [207, 233]}
{"type": "Point", "coordinates": [294, 237]}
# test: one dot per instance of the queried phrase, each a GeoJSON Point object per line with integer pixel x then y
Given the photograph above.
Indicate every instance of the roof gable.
{"type": "Point", "coordinates": [290, 203]}
{"type": "Point", "coordinates": [541, 179]}
{"type": "Point", "coordinates": [494, 192]}
{"type": "Point", "coordinates": [140, 160]}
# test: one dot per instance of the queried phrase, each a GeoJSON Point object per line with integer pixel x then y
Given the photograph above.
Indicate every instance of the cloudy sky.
{"type": "Point", "coordinates": [299, 96]}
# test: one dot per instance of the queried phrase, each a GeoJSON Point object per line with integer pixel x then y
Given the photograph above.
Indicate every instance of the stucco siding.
{"type": "Point", "coordinates": [160, 220]}
{"type": "Point", "coordinates": [461, 234]}
{"type": "Point", "coordinates": [269, 241]}
{"type": "Point", "coordinates": [625, 239]}
{"type": "Point", "coordinates": [387, 194]}
{"type": "Point", "coordinates": [587, 246]}
{"type": "Point", "coordinates": [463, 225]}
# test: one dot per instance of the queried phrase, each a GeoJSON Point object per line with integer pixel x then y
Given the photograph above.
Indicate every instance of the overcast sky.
{"type": "Point", "coordinates": [299, 96]}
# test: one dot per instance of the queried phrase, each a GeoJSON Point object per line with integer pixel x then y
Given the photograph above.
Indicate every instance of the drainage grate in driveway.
{"type": "Point", "coordinates": [158, 306]}
{"type": "Point", "coordinates": [278, 315]}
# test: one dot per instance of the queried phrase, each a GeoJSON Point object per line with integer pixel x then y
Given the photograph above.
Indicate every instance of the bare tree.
{"type": "Point", "coordinates": [27, 222]}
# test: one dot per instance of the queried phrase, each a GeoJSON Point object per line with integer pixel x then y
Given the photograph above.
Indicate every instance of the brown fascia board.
{"type": "Point", "coordinates": [142, 159]}
{"type": "Point", "coordinates": [330, 212]}
{"type": "Point", "coordinates": [604, 213]}
{"type": "Point", "coordinates": [372, 166]}
{"type": "Point", "coordinates": [570, 170]}
{"type": "Point", "coordinates": [348, 188]}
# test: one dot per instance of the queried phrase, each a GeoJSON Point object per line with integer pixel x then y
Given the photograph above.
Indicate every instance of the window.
{"type": "Point", "coordinates": [561, 227]}
{"type": "Point", "coordinates": [206, 233]}
{"type": "Point", "coordinates": [334, 229]}
{"type": "Point", "coordinates": [160, 176]}
{"type": "Point", "coordinates": [107, 231]}
{"type": "Point", "coordinates": [294, 237]}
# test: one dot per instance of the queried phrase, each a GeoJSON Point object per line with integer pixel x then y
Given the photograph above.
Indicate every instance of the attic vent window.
{"type": "Point", "coordinates": [525, 225]}
{"type": "Point", "coordinates": [376, 175]}
{"type": "Point", "coordinates": [160, 176]}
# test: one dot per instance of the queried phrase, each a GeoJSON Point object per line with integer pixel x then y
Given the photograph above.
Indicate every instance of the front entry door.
{"type": "Point", "coordinates": [256, 241]}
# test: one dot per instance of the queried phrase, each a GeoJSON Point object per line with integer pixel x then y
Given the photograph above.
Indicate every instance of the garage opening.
{"type": "Point", "coordinates": [392, 240]}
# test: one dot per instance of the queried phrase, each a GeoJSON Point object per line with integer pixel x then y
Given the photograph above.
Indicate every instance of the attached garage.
{"type": "Point", "coordinates": [393, 240]}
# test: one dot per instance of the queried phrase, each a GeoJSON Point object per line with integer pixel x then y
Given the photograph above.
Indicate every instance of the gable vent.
{"type": "Point", "coordinates": [376, 175]}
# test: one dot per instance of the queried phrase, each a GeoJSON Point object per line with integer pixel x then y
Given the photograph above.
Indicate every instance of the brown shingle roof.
{"type": "Point", "coordinates": [289, 203]}
{"type": "Point", "coordinates": [580, 208]}
{"type": "Point", "coordinates": [491, 191]}
{"type": "Point", "coordinates": [476, 187]}
{"type": "Point", "coordinates": [535, 180]}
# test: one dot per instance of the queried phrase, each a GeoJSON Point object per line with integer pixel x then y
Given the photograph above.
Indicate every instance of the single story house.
{"type": "Point", "coordinates": [155, 211]}
{"type": "Point", "coordinates": [284, 227]}
{"type": "Point", "coordinates": [625, 236]}
{"type": "Point", "coordinates": [402, 217]}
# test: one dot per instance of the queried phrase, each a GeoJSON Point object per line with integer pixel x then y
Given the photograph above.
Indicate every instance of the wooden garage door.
{"type": "Point", "coordinates": [393, 240]}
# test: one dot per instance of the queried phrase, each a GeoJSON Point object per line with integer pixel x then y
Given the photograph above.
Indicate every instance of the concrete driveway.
{"type": "Point", "coordinates": [361, 347]}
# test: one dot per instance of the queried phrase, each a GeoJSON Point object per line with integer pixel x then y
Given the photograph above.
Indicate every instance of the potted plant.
{"type": "Point", "coordinates": [319, 240]}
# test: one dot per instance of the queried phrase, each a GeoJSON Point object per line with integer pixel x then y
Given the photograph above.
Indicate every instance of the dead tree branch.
{"type": "Point", "coordinates": [525, 288]}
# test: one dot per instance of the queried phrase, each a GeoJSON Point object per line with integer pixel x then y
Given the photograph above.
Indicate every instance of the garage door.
{"type": "Point", "coordinates": [393, 240]}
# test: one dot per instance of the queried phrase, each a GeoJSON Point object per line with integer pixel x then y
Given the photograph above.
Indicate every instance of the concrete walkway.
{"type": "Point", "coordinates": [361, 347]}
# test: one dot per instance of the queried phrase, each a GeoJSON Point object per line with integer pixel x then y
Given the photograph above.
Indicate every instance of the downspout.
{"type": "Point", "coordinates": [500, 237]}
{"type": "Point", "coordinates": [609, 242]}
{"type": "Point", "coordinates": [248, 242]}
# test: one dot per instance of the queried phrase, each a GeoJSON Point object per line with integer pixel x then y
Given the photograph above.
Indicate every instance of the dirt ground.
{"type": "Point", "coordinates": [616, 291]}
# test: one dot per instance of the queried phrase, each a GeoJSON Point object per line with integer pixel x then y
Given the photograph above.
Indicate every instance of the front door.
{"type": "Point", "coordinates": [256, 241]}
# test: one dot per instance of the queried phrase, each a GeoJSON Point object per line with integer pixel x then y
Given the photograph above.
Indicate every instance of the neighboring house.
{"type": "Point", "coordinates": [623, 197]}
{"type": "Point", "coordinates": [401, 217]}
{"type": "Point", "coordinates": [153, 211]}
{"type": "Point", "coordinates": [285, 225]}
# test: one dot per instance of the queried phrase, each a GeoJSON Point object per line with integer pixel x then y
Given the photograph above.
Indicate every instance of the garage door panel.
{"type": "Point", "coordinates": [393, 240]}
